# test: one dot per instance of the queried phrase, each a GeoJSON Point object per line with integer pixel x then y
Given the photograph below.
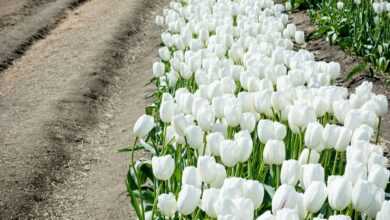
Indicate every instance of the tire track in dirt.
{"type": "Point", "coordinates": [51, 98]}
{"type": "Point", "coordinates": [31, 23]}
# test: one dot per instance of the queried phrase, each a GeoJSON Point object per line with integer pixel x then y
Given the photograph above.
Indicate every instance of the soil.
{"type": "Point", "coordinates": [327, 52]}
{"type": "Point", "coordinates": [68, 104]}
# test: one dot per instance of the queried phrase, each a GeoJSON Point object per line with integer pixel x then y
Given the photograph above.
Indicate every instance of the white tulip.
{"type": "Point", "coordinates": [167, 204]}
{"type": "Point", "coordinates": [167, 111]}
{"type": "Point", "coordinates": [311, 173]}
{"type": "Point", "coordinates": [384, 212]}
{"type": "Point", "coordinates": [219, 177]}
{"type": "Point", "coordinates": [274, 152]}
{"type": "Point", "coordinates": [194, 135]}
{"type": "Point", "coordinates": [308, 156]}
{"type": "Point", "coordinates": [362, 195]}
{"type": "Point", "coordinates": [339, 192]}
{"type": "Point", "coordinates": [191, 176]}
{"type": "Point", "coordinates": [248, 121]}
{"type": "Point", "coordinates": [206, 166]}
{"type": "Point", "coordinates": [340, 5]}
{"type": "Point", "coordinates": [163, 167]}
{"type": "Point", "coordinates": [228, 152]}
{"type": "Point", "coordinates": [244, 145]}
{"type": "Point", "coordinates": [290, 172]}
{"type": "Point", "coordinates": [314, 196]}
{"type": "Point", "coordinates": [284, 214]}
{"type": "Point", "coordinates": [158, 69]}
{"type": "Point", "coordinates": [232, 115]}
{"type": "Point", "coordinates": [164, 53]}
{"type": "Point", "coordinates": [267, 130]}
{"type": "Point", "coordinates": [209, 198]}
{"type": "Point", "coordinates": [188, 200]}
{"type": "Point", "coordinates": [254, 191]}
{"type": "Point", "coordinates": [379, 175]}
{"type": "Point", "coordinates": [267, 215]}
{"type": "Point", "coordinates": [300, 37]}
{"type": "Point", "coordinates": [284, 197]}
{"type": "Point", "coordinates": [314, 136]}
{"type": "Point", "coordinates": [143, 126]}
{"type": "Point", "coordinates": [339, 217]}
{"type": "Point", "coordinates": [214, 140]}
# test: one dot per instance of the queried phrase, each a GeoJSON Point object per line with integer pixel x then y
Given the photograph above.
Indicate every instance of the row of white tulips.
{"type": "Point", "coordinates": [245, 127]}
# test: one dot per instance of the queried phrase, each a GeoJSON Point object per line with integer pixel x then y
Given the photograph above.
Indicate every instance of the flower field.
{"type": "Point", "coordinates": [359, 26]}
{"type": "Point", "coordinates": [247, 125]}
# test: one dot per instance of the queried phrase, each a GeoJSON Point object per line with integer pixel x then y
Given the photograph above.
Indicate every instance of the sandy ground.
{"type": "Point", "coordinates": [67, 105]}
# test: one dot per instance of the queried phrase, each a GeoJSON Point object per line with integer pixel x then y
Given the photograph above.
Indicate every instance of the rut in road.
{"type": "Point", "coordinates": [52, 99]}
{"type": "Point", "coordinates": [33, 22]}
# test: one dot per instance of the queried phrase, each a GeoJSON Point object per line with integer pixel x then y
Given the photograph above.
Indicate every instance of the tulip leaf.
{"type": "Point", "coordinates": [356, 70]}
{"type": "Point", "coordinates": [145, 169]}
{"type": "Point", "coordinates": [269, 189]}
{"type": "Point", "coordinates": [147, 147]}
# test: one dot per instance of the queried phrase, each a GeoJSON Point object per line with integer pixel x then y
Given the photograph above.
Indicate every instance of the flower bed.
{"type": "Point", "coordinates": [243, 126]}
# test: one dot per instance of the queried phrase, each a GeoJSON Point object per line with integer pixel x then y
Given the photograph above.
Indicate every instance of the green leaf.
{"type": "Point", "coordinates": [359, 68]}
{"type": "Point", "coordinates": [269, 189]}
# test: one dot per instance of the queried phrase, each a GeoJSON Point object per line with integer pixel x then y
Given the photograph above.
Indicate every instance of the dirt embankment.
{"type": "Point", "coordinates": [67, 105]}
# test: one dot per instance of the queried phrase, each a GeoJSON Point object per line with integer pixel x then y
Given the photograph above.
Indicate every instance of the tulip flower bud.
{"type": "Point", "coordinates": [362, 195]}
{"type": "Point", "coordinates": [311, 173]}
{"type": "Point", "coordinates": [191, 177]}
{"type": "Point", "coordinates": [362, 133]}
{"type": "Point", "coordinates": [300, 37]}
{"type": "Point", "coordinates": [207, 168]}
{"type": "Point", "coordinates": [244, 145]}
{"type": "Point", "coordinates": [379, 175]}
{"type": "Point", "coordinates": [314, 196]}
{"type": "Point", "coordinates": [341, 109]}
{"type": "Point", "coordinates": [254, 191]}
{"type": "Point", "coordinates": [267, 130]}
{"type": "Point", "coordinates": [167, 204]}
{"type": "Point", "coordinates": [248, 121]}
{"type": "Point", "coordinates": [337, 136]}
{"type": "Point", "coordinates": [384, 212]}
{"type": "Point", "coordinates": [194, 135]}
{"type": "Point", "coordinates": [158, 69]}
{"type": "Point", "coordinates": [214, 140]}
{"type": "Point", "coordinates": [232, 114]}
{"type": "Point", "coordinates": [163, 167]}
{"type": "Point", "coordinates": [143, 126]}
{"type": "Point", "coordinates": [188, 200]}
{"type": "Point", "coordinates": [308, 156]}
{"type": "Point", "coordinates": [284, 214]}
{"type": "Point", "coordinates": [262, 102]}
{"type": "Point", "coordinates": [219, 177]}
{"type": "Point", "coordinates": [339, 217]}
{"type": "Point", "coordinates": [355, 170]}
{"type": "Point", "coordinates": [376, 204]}
{"type": "Point", "coordinates": [339, 192]}
{"type": "Point", "coordinates": [266, 216]}
{"type": "Point", "coordinates": [205, 118]}
{"type": "Point", "coordinates": [164, 53]}
{"type": "Point", "coordinates": [209, 198]}
{"type": "Point", "coordinates": [300, 116]}
{"type": "Point", "coordinates": [167, 111]}
{"type": "Point", "coordinates": [313, 136]}
{"type": "Point", "coordinates": [228, 152]}
{"type": "Point", "coordinates": [382, 103]}
{"type": "Point", "coordinates": [284, 197]}
{"type": "Point", "coordinates": [290, 173]}
{"type": "Point", "coordinates": [274, 152]}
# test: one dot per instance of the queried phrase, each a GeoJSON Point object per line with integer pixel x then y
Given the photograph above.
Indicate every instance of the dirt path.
{"type": "Point", "coordinates": [67, 105]}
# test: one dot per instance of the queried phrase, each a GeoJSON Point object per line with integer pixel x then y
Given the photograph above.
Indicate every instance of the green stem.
{"type": "Point", "coordinates": [335, 163]}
